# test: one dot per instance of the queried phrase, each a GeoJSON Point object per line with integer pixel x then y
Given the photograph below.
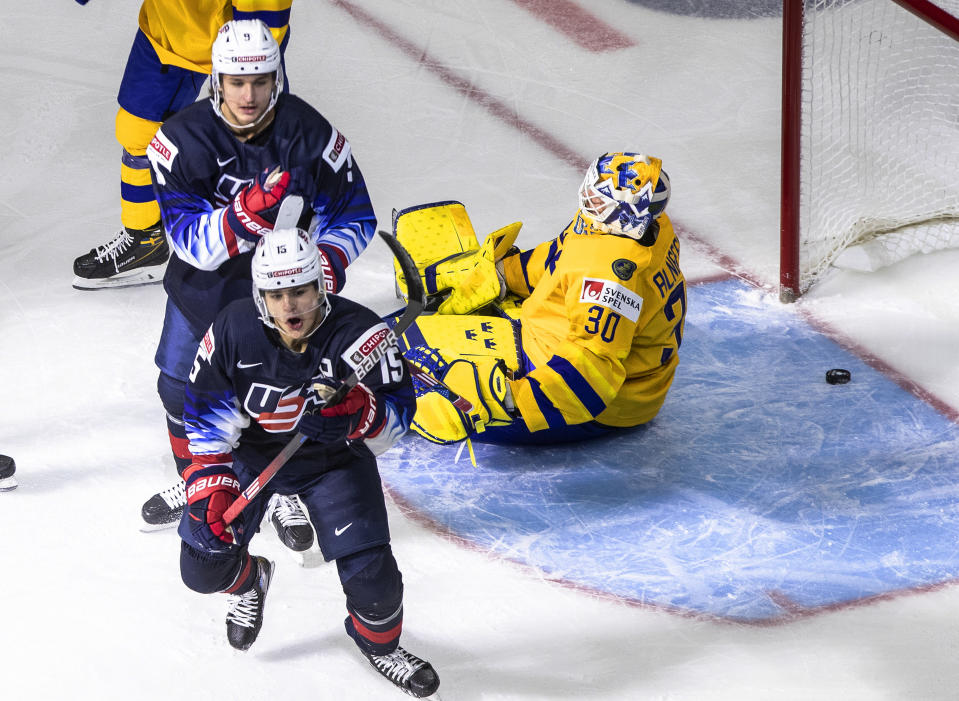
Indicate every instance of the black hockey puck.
{"type": "Point", "coordinates": [838, 376]}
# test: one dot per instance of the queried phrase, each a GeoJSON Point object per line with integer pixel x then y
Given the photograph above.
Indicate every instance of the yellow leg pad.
{"type": "Point", "coordinates": [466, 337]}
{"type": "Point", "coordinates": [437, 420]}
{"type": "Point", "coordinates": [432, 232]}
{"type": "Point", "coordinates": [482, 383]}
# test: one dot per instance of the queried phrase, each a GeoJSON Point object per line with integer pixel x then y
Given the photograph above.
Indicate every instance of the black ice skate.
{"type": "Point", "coordinates": [291, 524]}
{"type": "Point", "coordinates": [411, 674]}
{"type": "Point", "coordinates": [245, 618]}
{"type": "Point", "coordinates": [132, 257]}
{"type": "Point", "coordinates": [164, 510]}
{"type": "Point", "coordinates": [7, 467]}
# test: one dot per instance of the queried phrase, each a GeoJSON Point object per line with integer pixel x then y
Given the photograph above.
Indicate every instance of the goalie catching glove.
{"type": "Point", "coordinates": [475, 278]}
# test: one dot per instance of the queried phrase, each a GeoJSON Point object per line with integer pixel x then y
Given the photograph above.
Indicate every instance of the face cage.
{"type": "Point", "coordinates": [260, 301]}
{"type": "Point", "coordinates": [218, 98]}
{"type": "Point", "coordinates": [588, 195]}
{"type": "Point", "coordinates": [607, 214]}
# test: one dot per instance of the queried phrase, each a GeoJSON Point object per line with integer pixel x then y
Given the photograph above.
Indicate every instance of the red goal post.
{"type": "Point", "coordinates": [870, 134]}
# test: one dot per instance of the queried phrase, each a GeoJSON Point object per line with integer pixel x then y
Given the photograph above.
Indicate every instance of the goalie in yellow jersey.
{"type": "Point", "coordinates": [574, 338]}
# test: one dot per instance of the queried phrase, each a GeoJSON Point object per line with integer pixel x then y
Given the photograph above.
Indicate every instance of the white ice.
{"type": "Point", "coordinates": [93, 608]}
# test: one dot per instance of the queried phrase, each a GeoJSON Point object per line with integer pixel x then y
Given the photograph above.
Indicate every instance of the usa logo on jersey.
{"type": "Point", "coordinates": [278, 409]}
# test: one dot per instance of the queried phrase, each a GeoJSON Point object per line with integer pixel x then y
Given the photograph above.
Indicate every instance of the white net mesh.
{"type": "Point", "coordinates": [880, 135]}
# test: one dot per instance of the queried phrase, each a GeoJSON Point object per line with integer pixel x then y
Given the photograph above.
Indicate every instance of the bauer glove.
{"type": "Point", "coordinates": [210, 489]}
{"type": "Point", "coordinates": [253, 211]}
{"type": "Point", "coordinates": [358, 415]}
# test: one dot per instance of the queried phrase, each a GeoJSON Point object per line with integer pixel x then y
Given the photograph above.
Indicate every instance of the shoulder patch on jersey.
{"type": "Point", "coordinates": [357, 356]}
{"type": "Point", "coordinates": [337, 151]}
{"type": "Point", "coordinates": [208, 344]}
{"type": "Point", "coordinates": [613, 296]}
{"type": "Point", "coordinates": [203, 352]}
{"type": "Point", "coordinates": [161, 151]}
{"type": "Point", "coordinates": [623, 269]}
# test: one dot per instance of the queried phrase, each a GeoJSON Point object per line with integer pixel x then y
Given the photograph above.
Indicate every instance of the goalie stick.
{"type": "Point", "coordinates": [417, 301]}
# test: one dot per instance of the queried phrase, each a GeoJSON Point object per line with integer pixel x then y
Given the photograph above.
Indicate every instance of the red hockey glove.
{"type": "Point", "coordinates": [363, 411]}
{"type": "Point", "coordinates": [210, 490]}
{"type": "Point", "coordinates": [254, 209]}
{"type": "Point", "coordinates": [359, 415]}
{"type": "Point", "coordinates": [333, 261]}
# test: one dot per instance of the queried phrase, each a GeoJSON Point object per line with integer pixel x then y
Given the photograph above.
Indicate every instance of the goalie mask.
{"type": "Point", "coordinates": [623, 192]}
{"type": "Point", "coordinates": [286, 258]}
{"type": "Point", "coordinates": [245, 47]}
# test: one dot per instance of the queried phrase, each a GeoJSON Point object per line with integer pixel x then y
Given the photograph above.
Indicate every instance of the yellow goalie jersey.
{"type": "Point", "coordinates": [602, 323]}
{"type": "Point", "coordinates": [182, 31]}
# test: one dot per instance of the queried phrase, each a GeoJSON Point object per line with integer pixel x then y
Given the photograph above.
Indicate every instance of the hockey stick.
{"type": "Point", "coordinates": [440, 387]}
{"type": "Point", "coordinates": [417, 301]}
{"type": "Point", "coordinates": [289, 214]}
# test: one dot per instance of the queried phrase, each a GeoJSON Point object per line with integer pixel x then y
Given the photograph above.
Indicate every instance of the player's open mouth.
{"type": "Point", "coordinates": [294, 323]}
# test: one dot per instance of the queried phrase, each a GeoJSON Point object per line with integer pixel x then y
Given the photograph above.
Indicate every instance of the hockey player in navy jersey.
{"type": "Point", "coordinates": [262, 373]}
{"type": "Point", "coordinates": [220, 169]}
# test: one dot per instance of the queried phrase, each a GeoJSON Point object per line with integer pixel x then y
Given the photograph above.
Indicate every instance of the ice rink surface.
{"type": "Point", "coordinates": [767, 537]}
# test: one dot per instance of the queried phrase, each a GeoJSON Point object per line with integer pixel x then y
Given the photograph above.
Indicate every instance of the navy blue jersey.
{"type": "Point", "coordinates": [199, 166]}
{"type": "Point", "coordinates": [247, 391]}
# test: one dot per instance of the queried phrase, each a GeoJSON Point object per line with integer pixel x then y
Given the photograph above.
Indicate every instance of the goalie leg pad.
{"type": "Point", "coordinates": [482, 383]}
{"type": "Point", "coordinates": [432, 232]}
{"type": "Point", "coordinates": [465, 337]}
{"type": "Point", "coordinates": [443, 245]}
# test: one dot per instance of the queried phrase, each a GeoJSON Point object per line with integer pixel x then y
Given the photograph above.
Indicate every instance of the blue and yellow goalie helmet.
{"type": "Point", "coordinates": [623, 192]}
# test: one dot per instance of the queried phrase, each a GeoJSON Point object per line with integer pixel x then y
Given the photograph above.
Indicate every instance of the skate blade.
{"type": "Point", "coordinates": [135, 278]}
{"type": "Point", "coordinates": [152, 527]}
{"type": "Point", "coordinates": [309, 558]}
{"type": "Point", "coordinates": [8, 484]}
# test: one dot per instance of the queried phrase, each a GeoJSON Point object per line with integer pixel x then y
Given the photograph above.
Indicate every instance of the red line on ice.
{"type": "Point", "coordinates": [470, 91]}
{"type": "Point", "coordinates": [577, 24]}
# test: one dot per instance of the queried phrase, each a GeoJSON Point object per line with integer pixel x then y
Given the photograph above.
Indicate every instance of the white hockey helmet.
{"type": "Point", "coordinates": [285, 258]}
{"type": "Point", "coordinates": [245, 47]}
{"type": "Point", "coordinates": [623, 192]}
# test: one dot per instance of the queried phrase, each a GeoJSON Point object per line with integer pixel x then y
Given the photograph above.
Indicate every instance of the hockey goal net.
{"type": "Point", "coordinates": [870, 143]}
